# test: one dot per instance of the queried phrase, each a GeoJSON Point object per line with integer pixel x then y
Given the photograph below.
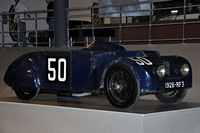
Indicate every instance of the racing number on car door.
{"type": "Point", "coordinates": [57, 69]}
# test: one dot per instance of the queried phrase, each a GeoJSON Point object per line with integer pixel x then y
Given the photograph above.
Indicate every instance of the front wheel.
{"type": "Point", "coordinates": [26, 93]}
{"type": "Point", "coordinates": [172, 96]}
{"type": "Point", "coordinates": [121, 87]}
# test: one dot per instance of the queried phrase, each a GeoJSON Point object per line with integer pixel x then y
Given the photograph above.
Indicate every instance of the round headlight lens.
{"type": "Point", "coordinates": [184, 69]}
{"type": "Point", "coordinates": [161, 71]}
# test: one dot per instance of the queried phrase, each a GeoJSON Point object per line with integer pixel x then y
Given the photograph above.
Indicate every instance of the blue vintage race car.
{"type": "Point", "coordinates": [102, 67]}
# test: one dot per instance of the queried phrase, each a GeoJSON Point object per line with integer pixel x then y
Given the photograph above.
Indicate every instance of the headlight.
{"type": "Point", "coordinates": [184, 69]}
{"type": "Point", "coordinates": [161, 71]}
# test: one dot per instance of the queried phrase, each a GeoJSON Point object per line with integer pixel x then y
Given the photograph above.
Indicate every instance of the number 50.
{"type": "Point", "coordinates": [57, 72]}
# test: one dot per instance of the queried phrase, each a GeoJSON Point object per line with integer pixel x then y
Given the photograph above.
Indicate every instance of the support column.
{"type": "Point", "coordinates": [60, 22]}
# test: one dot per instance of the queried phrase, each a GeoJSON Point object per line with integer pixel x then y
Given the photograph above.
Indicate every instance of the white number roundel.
{"type": "Point", "coordinates": [58, 72]}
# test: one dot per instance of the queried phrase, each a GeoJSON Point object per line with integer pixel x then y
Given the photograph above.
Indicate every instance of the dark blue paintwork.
{"type": "Point", "coordinates": [85, 70]}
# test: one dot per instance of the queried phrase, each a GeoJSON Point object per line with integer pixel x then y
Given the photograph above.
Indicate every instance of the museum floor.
{"type": "Point", "coordinates": [101, 103]}
{"type": "Point", "coordinates": [48, 113]}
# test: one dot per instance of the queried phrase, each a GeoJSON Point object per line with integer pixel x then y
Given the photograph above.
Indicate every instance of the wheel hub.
{"type": "Point", "coordinates": [119, 85]}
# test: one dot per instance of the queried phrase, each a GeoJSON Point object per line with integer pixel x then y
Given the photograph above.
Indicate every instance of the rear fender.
{"type": "Point", "coordinates": [23, 72]}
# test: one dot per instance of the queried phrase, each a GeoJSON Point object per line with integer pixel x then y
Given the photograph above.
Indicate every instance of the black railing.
{"type": "Point", "coordinates": [126, 31]}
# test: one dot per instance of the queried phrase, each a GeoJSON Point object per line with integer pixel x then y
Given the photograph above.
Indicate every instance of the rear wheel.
{"type": "Point", "coordinates": [172, 96]}
{"type": "Point", "coordinates": [26, 93]}
{"type": "Point", "coordinates": [121, 86]}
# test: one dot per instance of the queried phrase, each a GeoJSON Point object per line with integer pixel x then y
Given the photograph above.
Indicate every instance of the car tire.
{"type": "Point", "coordinates": [26, 93]}
{"type": "Point", "coordinates": [121, 87]}
{"type": "Point", "coordinates": [172, 96]}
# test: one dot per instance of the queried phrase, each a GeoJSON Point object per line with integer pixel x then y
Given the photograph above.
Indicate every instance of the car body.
{"type": "Point", "coordinates": [104, 67]}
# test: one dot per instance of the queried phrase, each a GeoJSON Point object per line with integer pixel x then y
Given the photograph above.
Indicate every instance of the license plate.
{"type": "Point", "coordinates": [177, 84]}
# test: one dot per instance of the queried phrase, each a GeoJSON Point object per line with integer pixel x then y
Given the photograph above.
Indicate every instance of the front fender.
{"type": "Point", "coordinates": [145, 81]}
{"type": "Point", "coordinates": [23, 72]}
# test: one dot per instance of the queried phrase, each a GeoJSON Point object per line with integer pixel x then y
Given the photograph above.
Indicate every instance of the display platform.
{"type": "Point", "coordinates": [47, 113]}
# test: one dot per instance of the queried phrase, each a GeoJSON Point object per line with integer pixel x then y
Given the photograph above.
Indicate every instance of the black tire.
{"type": "Point", "coordinates": [26, 93]}
{"type": "Point", "coordinates": [121, 87]}
{"type": "Point", "coordinates": [172, 97]}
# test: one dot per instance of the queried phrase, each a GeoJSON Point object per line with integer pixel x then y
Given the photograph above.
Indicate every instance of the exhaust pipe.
{"type": "Point", "coordinates": [81, 94]}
